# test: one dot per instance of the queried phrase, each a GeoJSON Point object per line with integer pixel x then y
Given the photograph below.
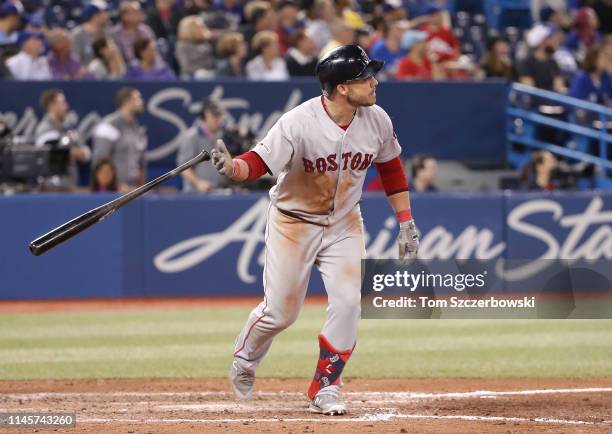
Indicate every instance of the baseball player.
{"type": "Point", "coordinates": [320, 152]}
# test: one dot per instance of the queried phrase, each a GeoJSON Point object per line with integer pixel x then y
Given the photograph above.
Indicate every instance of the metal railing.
{"type": "Point", "coordinates": [581, 128]}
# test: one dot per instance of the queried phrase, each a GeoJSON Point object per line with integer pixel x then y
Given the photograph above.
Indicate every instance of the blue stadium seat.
{"type": "Point", "coordinates": [514, 35]}
{"type": "Point", "coordinates": [506, 13]}
{"type": "Point", "coordinates": [470, 6]}
{"type": "Point", "coordinates": [471, 30]}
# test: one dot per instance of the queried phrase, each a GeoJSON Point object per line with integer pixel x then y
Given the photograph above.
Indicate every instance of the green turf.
{"type": "Point", "coordinates": [198, 343]}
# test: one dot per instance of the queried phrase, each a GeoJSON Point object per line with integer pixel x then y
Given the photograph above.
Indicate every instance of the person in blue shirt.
{"type": "Point", "coordinates": [585, 34]}
{"type": "Point", "coordinates": [12, 16]}
{"type": "Point", "coordinates": [593, 83]}
{"type": "Point", "coordinates": [389, 49]}
{"type": "Point", "coordinates": [148, 66]}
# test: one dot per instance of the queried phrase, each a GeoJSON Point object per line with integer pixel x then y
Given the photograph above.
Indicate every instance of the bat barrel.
{"type": "Point", "coordinates": [62, 233]}
{"type": "Point", "coordinates": [66, 231]}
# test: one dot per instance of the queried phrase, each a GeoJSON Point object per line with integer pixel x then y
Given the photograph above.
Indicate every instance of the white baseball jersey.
{"type": "Point", "coordinates": [320, 166]}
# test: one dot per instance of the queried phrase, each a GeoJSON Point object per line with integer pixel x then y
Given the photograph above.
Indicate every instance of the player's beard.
{"type": "Point", "coordinates": [361, 100]}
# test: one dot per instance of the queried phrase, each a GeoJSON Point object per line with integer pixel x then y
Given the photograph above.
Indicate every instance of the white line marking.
{"type": "Point", "coordinates": [382, 417]}
{"type": "Point", "coordinates": [282, 394]}
{"type": "Point", "coordinates": [256, 406]}
{"type": "Point", "coordinates": [500, 419]}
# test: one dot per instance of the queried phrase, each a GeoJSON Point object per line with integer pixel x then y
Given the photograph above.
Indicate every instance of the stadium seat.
{"type": "Point", "coordinates": [505, 13]}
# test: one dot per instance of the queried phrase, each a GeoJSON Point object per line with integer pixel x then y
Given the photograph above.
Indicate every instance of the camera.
{"type": "Point", "coordinates": [21, 161]}
{"type": "Point", "coordinates": [565, 176]}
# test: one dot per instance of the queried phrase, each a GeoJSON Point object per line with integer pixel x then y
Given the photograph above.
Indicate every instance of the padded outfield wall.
{"type": "Point", "coordinates": [195, 245]}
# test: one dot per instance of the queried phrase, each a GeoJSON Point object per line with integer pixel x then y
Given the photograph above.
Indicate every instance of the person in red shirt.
{"type": "Point", "coordinates": [440, 38]}
{"type": "Point", "coordinates": [417, 63]}
{"type": "Point", "coordinates": [288, 23]}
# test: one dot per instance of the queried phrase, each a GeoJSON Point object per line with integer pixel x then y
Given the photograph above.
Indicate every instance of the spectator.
{"type": "Point", "coordinates": [121, 138]}
{"type": "Point", "coordinates": [63, 64]}
{"type": "Point", "coordinates": [55, 125]}
{"type": "Point", "coordinates": [593, 83]}
{"type": "Point", "coordinates": [539, 69]}
{"type": "Point", "coordinates": [288, 22]}
{"type": "Point", "coordinates": [441, 40]}
{"type": "Point", "coordinates": [226, 15]}
{"type": "Point", "coordinates": [424, 173]}
{"type": "Point", "coordinates": [346, 10]}
{"type": "Point", "coordinates": [585, 34]}
{"type": "Point", "coordinates": [108, 62]}
{"type": "Point", "coordinates": [496, 62]}
{"type": "Point", "coordinates": [29, 63]}
{"type": "Point", "coordinates": [565, 59]}
{"type": "Point", "coordinates": [194, 51]}
{"type": "Point", "coordinates": [260, 16]}
{"type": "Point", "coordinates": [342, 34]}
{"type": "Point", "coordinates": [394, 10]}
{"type": "Point", "coordinates": [104, 177]}
{"type": "Point", "coordinates": [232, 50]}
{"type": "Point", "coordinates": [267, 65]}
{"type": "Point", "coordinates": [538, 174]}
{"type": "Point", "coordinates": [318, 27]}
{"type": "Point", "coordinates": [163, 18]}
{"type": "Point", "coordinates": [606, 47]}
{"type": "Point", "coordinates": [202, 135]}
{"type": "Point", "coordinates": [146, 66]}
{"type": "Point", "coordinates": [418, 64]}
{"type": "Point", "coordinates": [549, 15]}
{"type": "Point", "coordinates": [364, 37]}
{"type": "Point", "coordinates": [11, 19]}
{"type": "Point", "coordinates": [389, 48]}
{"type": "Point", "coordinates": [130, 28]}
{"type": "Point", "coordinates": [93, 28]}
{"type": "Point", "coordinates": [545, 11]}
{"type": "Point", "coordinates": [301, 58]}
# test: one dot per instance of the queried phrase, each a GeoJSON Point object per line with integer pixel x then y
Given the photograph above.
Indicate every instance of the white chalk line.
{"type": "Point", "coordinates": [382, 417]}
{"type": "Point", "coordinates": [256, 407]}
{"type": "Point", "coordinates": [358, 395]}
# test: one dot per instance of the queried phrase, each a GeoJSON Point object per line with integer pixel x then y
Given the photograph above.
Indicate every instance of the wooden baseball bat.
{"type": "Point", "coordinates": [77, 225]}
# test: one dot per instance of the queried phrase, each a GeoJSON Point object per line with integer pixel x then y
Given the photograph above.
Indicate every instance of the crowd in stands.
{"type": "Point", "coordinates": [560, 45]}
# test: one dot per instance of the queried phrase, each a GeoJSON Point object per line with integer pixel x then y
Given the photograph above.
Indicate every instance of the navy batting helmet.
{"type": "Point", "coordinates": [343, 64]}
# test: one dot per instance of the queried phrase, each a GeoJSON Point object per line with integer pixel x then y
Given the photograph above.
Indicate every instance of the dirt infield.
{"type": "Point", "coordinates": [198, 405]}
{"type": "Point", "coordinates": [393, 405]}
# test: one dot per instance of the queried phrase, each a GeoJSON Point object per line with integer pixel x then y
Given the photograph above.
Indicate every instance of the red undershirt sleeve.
{"type": "Point", "coordinates": [392, 176]}
{"type": "Point", "coordinates": [257, 167]}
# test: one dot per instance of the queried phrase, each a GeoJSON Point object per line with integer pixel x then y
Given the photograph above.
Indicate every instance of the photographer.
{"type": "Point", "coordinates": [424, 173]}
{"type": "Point", "coordinates": [545, 173]}
{"type": "Point", "coordinates": [56, 126]}
{"type": "Point", "coordinates": [202, 135]}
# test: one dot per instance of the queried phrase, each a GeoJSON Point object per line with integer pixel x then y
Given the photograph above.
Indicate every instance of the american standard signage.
{"type": "Point", "coordinates": [556, 233]}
